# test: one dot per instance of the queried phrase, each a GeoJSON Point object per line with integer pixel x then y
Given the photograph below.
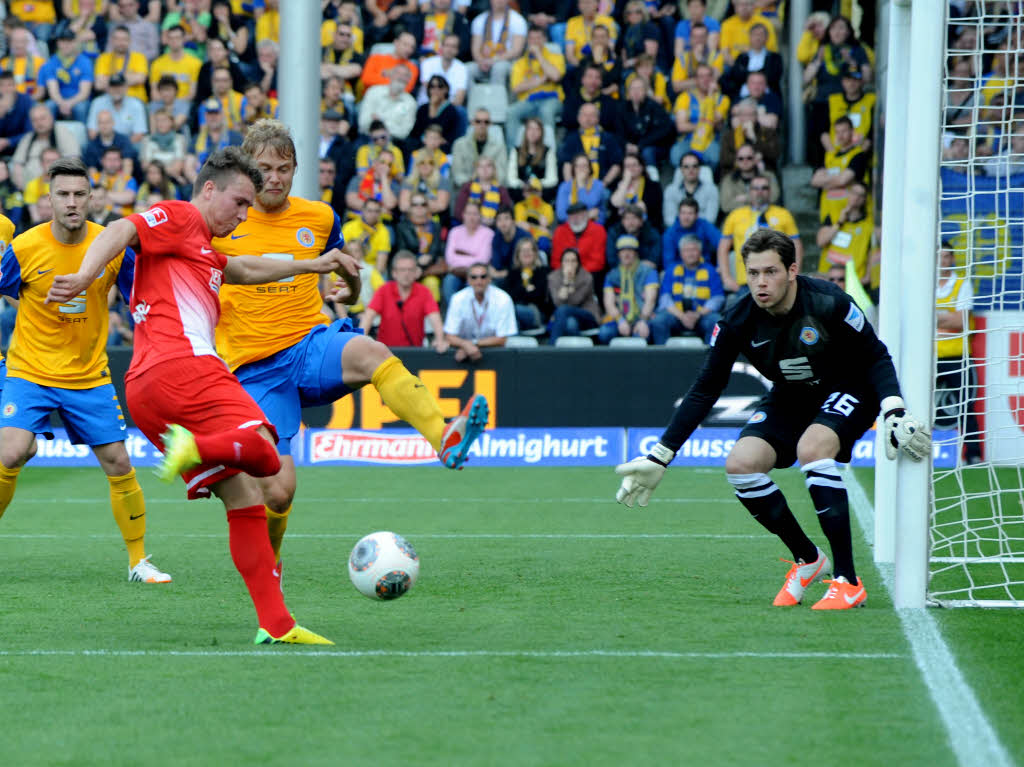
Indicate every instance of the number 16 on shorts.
{"type": "Point", "coordinates": [840, 404]}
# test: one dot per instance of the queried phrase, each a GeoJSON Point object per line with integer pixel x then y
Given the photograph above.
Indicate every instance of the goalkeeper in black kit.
{"type": "Point", "coordinates": [832, 376]}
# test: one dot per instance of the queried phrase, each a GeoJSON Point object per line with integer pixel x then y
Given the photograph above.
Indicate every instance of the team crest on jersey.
{"type": "Point", "coordinates": [305, 237]}
{"type": "Point", "coordinates": [855, 317]}
{"type": "Point", "coordinates": [757, 417]}
{"type": "Point", "coordinates": [714, 335]}
{"type": "Point", "coordinates": [809, 336]}
{"type": "Point", "coordinates": [155, 216]}
{"type": "Point", "coordinates": [10, 409]}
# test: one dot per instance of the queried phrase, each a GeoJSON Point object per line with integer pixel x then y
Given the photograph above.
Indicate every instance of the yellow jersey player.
{"type": "Point", "coordinates": [285, 351]}
{"type": "Point", "coordinates": [57, 359]}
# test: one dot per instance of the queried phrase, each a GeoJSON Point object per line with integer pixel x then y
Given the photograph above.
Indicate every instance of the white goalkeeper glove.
{"type": "Point", "coordinates": [903, 431]}
{"type": "Point", "coordinates": [641, 475]}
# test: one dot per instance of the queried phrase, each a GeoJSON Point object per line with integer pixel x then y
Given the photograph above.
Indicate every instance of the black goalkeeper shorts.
{"type": "Point", "coordinates": [780, 420]}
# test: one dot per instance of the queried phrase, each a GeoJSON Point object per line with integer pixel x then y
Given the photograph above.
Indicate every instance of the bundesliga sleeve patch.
{"type": "Point", "coordinates": [855, 317]}
{"type": "Point", "coordinates": [714, 335]}
{"type": "Point", "coordinates": [155, 216]}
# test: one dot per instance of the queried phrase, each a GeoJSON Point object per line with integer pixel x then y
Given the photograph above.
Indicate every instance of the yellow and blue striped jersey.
{"type": "Point", "coordinates": [260, 320]}
{"type": "Point", "coordinates": [61, 345]}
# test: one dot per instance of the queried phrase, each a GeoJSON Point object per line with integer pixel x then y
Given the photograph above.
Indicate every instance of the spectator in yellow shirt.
{"type": "Point", "coordinates": [579, 29]}
{"type": "Point", "coordinates": [23, 64]}
{"type": "Point", "coordinates": [268, 25]}
{"type": "Point", "coordinates": [121, 59]}
{"type": "Point", "coordinates": [39, 16]}
{"type": "Point", "coordinates": [177, 62]}
{"type": "Point", "coordinates": [736, 31]}
{"type": "Point", "coordinates": [535, 82]}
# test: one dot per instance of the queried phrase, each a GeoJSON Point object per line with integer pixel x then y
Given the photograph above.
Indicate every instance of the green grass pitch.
{"type": "Point", "coordinates": [549, 626]}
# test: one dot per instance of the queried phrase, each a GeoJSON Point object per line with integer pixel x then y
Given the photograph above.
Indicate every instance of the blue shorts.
{"type": "Point", "coordinates": [306, 374]}
{"type": "Point", "coordinates": [91, 416]}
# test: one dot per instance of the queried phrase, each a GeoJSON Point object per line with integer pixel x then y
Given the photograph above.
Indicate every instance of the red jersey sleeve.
{"type": "Point", "coordinates": [157, 233]}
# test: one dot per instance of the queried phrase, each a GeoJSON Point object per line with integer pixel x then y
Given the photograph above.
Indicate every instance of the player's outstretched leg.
{"type": "Point", "coordinates": [411, 401]}
{"type": "Point", "coordinates": [462, 431]}
{"type": "Point", "coordinates": [243, 449]}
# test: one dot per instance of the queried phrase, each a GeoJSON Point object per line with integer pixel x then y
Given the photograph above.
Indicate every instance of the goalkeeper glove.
{"type": "Point", "coordinates": [641, 475]}
{"type": "Point", "coordinates": [903, 431]}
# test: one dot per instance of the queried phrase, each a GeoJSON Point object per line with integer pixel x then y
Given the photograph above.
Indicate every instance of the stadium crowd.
{"type": "Point", "coordinates": [602, 161]}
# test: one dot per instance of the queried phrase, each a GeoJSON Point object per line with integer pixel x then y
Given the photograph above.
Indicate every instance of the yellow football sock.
{"type": "Point", "coordinates": [409, 399]}
{"type": "Point", "coordinates": [277, 523]}
{"type": "Point", "coordinates": [8, 479]}
{"type": "Point", "coordinates": [129, 509]}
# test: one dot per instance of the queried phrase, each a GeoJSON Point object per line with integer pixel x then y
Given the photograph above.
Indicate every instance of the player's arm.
{"type": "Point", "coordinates": [255, 270]}
{"type": "Point", "coordinates": [902, 430]}
{"type": "Point", "coordinates": [641, 475]}
{"type": "Point", "coordinates": [107, 246]}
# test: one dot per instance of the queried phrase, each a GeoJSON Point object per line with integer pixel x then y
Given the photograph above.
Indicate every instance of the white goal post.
{"type": "Point", "coordinates": [958, 532]}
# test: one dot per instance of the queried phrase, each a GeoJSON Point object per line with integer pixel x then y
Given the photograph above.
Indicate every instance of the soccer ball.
{"type": "Point", "coordinates": [383, 565]}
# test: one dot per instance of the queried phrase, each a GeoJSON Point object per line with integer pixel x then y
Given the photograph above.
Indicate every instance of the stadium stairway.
{"type": "Point", "coordinates": [802, 201]}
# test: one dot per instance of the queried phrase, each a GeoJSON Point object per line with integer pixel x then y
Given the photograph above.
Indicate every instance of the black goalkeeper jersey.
{"type": "Point", "coordinates": [822, 345]}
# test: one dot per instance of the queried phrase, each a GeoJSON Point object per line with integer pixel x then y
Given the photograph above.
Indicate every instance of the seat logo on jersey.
{"type": "Point", "coordinates": [796, 369]}
{"type": "Point", "coordinates": [305, 237]}
{"type": "Point", "coordinates": [141, 312]}
{"type": "Point", "coordinates": [75, 306]}
{"type": "Point", "coordinates": [809, 336]}
{"type": "Point", "coordinates": [155, 216]}
{"type": "Point", "coordinates": [216, 277]}
{"type": "Point", "coordinates": [714, 335]}
{"type": "Point", "coordinates": [10, 409]}
{"type": "Point", "coordinates": [855, 317]}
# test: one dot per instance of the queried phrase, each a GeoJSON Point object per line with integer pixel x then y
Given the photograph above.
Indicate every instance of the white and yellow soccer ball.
{"type": "Point", "coordinates": [383, 565]}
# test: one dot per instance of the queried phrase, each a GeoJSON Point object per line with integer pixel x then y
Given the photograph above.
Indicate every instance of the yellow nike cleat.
{"type": "Point", "coordinates": [296, 635]}
{"type": "Point", "coordinates": [180, 453]}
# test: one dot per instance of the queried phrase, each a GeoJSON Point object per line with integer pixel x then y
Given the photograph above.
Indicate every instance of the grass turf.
{"type": "Point", "coordinates": [549, 627]}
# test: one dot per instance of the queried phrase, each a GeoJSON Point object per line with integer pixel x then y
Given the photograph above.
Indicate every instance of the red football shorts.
{"type": "Point", "coordinates": [201, 394]}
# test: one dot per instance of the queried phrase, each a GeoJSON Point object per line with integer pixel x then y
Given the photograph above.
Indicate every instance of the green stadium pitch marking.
{"type": "Point", "coordinates": [974, 741]}
{"type": "Point", "coordinates": [538, 654]}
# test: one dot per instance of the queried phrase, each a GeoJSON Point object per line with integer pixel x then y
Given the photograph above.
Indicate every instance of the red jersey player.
{"type": "Point", "coordinates": [216, 436]}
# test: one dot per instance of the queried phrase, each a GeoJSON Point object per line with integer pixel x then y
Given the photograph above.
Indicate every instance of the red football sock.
{"type": "Point", "coordinates": [243, 449]}
{"type": "Point", "coordinates": [254, 559]}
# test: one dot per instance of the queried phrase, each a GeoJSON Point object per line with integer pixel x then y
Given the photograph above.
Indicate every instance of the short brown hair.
{"type": "Point", "coordinates": [770, 239]}
{"type": "Point", "coordinates": [223, 165]}
{"type": "Point", "coordinates": [68, 166]}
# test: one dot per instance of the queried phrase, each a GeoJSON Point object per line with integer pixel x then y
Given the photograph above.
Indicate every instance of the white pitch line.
{"type": "Point", "coordinates": [609, 500]}
{"type": "Point", "coordinates": [971, 735]}
{"type": "Point", "coordinates": [541, 654]}
{"type": "Point", "coordinates": [444, 536]}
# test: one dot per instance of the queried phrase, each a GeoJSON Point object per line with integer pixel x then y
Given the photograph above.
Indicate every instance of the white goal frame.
{"type": "Point", "coordinates": [907, 509]}
{"type": "Point", "coordinates": [910, 250]}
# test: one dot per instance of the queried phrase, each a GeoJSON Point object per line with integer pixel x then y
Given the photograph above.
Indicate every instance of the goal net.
{"type": "Point", "coordinates": [976, 547]}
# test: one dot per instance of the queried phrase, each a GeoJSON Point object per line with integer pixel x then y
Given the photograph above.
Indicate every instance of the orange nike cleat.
{"type": "Point", "coordinates": [800, 576]}
{"type": "Point", "coordinates": [462, 431]}
{"type": "Point", "coordinates": [842, 595]}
